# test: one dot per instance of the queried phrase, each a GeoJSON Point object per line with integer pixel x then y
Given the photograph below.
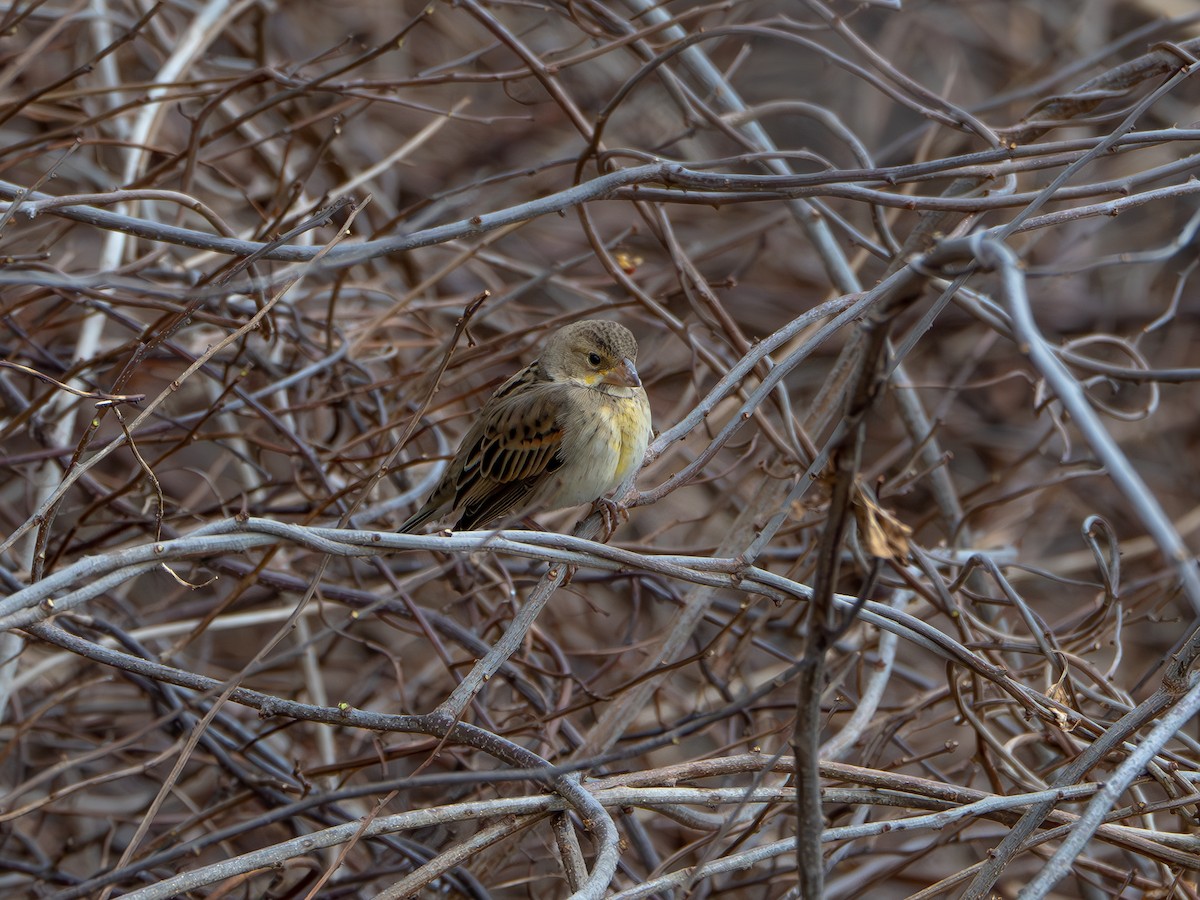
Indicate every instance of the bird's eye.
{"type": "Point", "coordinates": [594, 359]}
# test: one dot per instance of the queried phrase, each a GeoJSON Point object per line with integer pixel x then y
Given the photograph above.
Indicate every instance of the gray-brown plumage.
{"type": "Point", "coordinates": [565, 430]}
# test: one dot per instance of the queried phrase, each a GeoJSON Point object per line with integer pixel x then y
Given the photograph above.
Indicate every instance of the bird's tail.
{"type": "Point", "coordinates": [417, 519]}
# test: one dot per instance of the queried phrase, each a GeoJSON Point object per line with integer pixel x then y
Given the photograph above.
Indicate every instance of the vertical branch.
{"type": "Point", "coordinates": [822, 618]}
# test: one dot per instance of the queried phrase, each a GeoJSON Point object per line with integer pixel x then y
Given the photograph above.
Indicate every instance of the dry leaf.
{"type": "Point", "coordinates": [883, 534]}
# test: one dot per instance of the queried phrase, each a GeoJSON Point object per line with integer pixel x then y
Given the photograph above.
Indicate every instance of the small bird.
{"type": "Point", "coordinates": [565, 430]}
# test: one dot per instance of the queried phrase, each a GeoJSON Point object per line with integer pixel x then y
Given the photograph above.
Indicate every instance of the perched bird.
{"type": "Point", "coordinates": [565, 430]}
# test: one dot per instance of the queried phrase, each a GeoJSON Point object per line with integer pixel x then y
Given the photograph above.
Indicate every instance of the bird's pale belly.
{"type": "Point", "coordinates": [614, 446]}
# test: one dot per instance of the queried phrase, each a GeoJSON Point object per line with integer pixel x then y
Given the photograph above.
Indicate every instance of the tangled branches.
{"type": "Point", "coordinates": [906, 601]}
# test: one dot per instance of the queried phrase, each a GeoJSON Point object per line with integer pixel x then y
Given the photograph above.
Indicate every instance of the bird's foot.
{"type": "Point", "coordinates": [612, 513]}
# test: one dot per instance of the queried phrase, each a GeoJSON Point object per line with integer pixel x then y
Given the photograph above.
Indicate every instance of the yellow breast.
{"type": "Point", "coordinates": [629, 433]}
{"type": "Point", "coordinates": [601, 447]}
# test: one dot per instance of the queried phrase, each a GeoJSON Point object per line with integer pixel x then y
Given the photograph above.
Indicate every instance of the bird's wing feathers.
{"type": "Point", "coordinates": [512, 452]}
{"type": "Point", "coordinates": [467, 479]}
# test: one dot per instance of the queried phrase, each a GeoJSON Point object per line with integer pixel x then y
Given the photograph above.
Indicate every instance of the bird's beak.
{"type": "Point", "coordinates": [624, 375]}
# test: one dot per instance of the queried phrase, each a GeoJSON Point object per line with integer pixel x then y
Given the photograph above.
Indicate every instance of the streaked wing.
{"type": "Point", "coordinates": [463, 472]}
{"type": "Point", "coordinates": [511, 454]}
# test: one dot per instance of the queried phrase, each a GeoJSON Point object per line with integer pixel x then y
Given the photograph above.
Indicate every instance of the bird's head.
{"type": "Point", "coordinates": [595, 353]}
